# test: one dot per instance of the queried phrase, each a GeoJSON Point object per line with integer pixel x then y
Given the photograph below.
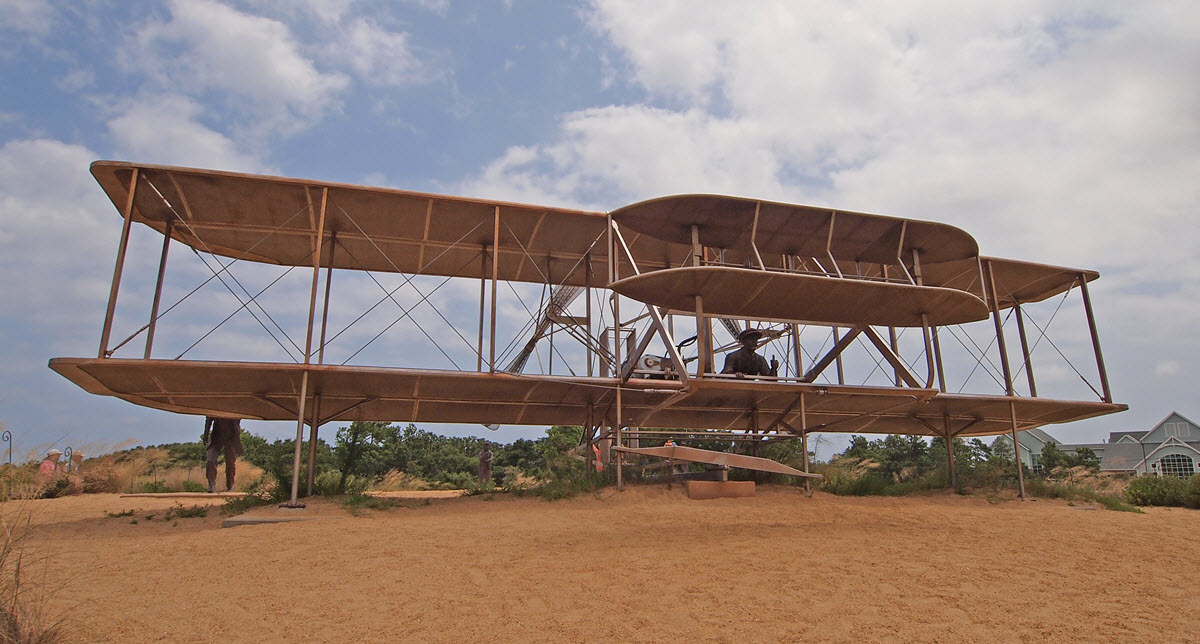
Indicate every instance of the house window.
{"type": "Point", "coordinates": [1036, 460]}
{"type": "Point", "coordinates": [1177, 465]}
{"type": "Point", "coordinates": [1181, 430]}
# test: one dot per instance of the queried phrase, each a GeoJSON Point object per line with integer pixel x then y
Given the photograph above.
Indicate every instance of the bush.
{"type": "Point", "coordinates": [1157, 490]}
{"type": "Point", "coordinates": [153, 487]}
{"type": "Point", "coordinates": [329, 483]}
{"type": "Point", "coordinates": [1191, 496]}
{"type": "Point", "coordinates": [192, 486]}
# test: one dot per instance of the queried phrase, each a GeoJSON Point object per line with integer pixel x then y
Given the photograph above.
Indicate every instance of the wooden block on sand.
{"type": "Point", "coordinates": [719, 489]}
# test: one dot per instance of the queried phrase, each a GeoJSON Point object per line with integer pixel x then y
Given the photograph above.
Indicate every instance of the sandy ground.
{"type": "Point", "coordinates": [645, 565]}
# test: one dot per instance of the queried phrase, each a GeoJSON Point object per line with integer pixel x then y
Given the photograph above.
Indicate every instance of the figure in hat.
{"type": "Point", "coordinates": [485, 466]}
{"type": "Point", "coordinates": [50, 465]}
{"type": "Point", "coordinates": [226, 437]}
{"type": "Point", "coordinates": [745, 362]}
{"type": "Point", "coordinates": [76, 464]}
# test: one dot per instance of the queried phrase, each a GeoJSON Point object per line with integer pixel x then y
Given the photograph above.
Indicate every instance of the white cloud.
{"type": "Point", "coordinates": [374, 54]}
{"type": "Point", "coordinates": [1167, 368]}
{"type": "Point", "coordinates": [55, 226]}
{"type": "Point", "coordinates": [33, 17]}
{"type": "Point", "coordinates": [255, 62]}
{"type": "Point", "coordinates": [166, 129]}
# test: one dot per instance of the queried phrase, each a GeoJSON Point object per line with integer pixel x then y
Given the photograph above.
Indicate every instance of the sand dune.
{"type": "Point", "coordinates": [645, 565]}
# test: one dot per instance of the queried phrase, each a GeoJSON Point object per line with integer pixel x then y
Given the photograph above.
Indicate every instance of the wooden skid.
{"type": "Point", "coordinates": [695, 455]}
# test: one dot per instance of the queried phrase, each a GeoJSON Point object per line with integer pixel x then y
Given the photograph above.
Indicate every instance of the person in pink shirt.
{"type": "Point", "coordinates": [50, 465]}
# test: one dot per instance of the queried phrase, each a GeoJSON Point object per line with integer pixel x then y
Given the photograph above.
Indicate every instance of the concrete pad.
{"type": "Point", "coordinates": [233, 522]}
{"type": "Point", "coordinates": [184, 495]}
{"type": "Point", "coordinates": [719, 489]}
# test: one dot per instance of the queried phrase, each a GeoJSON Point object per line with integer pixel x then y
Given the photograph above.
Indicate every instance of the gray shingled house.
{"type": "Point", "coordinates": [1170, 448]}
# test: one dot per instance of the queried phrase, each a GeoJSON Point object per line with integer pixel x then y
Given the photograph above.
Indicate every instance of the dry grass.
{"type": "Point", "coordinates": [397, 481]}
{"type": "Point", "coordinates": [24, 592]}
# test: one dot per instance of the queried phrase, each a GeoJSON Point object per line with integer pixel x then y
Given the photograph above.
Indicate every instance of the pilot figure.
{"type": "Point", "coordinates": [745, 362]}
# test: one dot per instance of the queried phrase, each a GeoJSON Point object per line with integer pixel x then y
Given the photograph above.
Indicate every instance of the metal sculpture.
{"type": "Point", "coordinates": [855, 281]}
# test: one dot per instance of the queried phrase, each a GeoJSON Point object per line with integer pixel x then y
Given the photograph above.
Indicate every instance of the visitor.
{"type": "Point", "coordinates": [226, 436]}
{"type": "Point", "coordinates": [50, 465]}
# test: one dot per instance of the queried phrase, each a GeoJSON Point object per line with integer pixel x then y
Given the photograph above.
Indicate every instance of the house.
{"type": "Point", "coordinates": [1170, 448]}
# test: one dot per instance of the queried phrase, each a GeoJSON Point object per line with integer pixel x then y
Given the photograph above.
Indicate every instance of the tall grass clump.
{"type": "Point", "coordinates": [24, 594]}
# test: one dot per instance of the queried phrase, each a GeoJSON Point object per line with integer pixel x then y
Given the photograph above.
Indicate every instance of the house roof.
{"type": "Point", "coordinates": [1114, 437]}
{"type": "Point", "coordinates": [1122, 456]}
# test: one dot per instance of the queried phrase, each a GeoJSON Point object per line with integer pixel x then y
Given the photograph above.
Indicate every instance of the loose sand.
{"type": "Point", "coordinates": [645, 565]}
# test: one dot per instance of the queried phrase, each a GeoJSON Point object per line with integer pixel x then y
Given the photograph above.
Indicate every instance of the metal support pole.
{"type": "Point", "coordinates": [840, 371]}
{"type": "Point", "coordinates": [482, 298]}
{"type": "Point", "coordinates": [1025, 349]}
{"type": "Point", "coordinates": [1008, 384]}
{"type": "Point", "coordinates": [495, 277]}
{"type": "Point", "coordinates": [162, 271]}
{"type": "Point", "coordinates": [937, 354]}
{"type": "Point", "coordinates": [313, 425]}
{"type": "Point", "coordinates": [1087, 307]}
{"type": "Point", "coordinates": [804, 440]}
{"type": "Point", "coordinates": [704, 339]}
{"type": "Point", "coordinates": [325, 306]}
{"type": "Point", "coordinates": [591, 434]}
{"type": "Point", "coordinates": [1012, 414]}
{"type": "Point", "coordinates": [953, 478]}
{"type": "Point", "coordinates": [312, 312]}
{"type": "Point", "coordinates": [294, 502]}
{"type": "Point", "coordinates": [122, 246]}
{"type": "Point", "coordinates": [587, 292]}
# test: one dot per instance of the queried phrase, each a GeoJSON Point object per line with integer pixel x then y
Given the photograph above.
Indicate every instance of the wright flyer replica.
{"type": "Point", "coordinates": [412, 307]}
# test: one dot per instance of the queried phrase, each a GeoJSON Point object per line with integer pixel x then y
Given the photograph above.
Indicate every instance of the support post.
{"type": "Point", "coordinates": [995, 303]}
{"type": "Point", "coordinates": [1025, 349]}
{"type": "Point", "coordinates": [937, 354]}
{"type": "Point", "coordinates": [495, 277]}
{"type": "Point", "coordinates": [590, 456]}
{"type": "Point", "coordinates": [804, 440]}
{"type": "Point", "coordinates": [122, 246]}
{"type": "Point", "coordinates": [325, 306]}
{"type": "Point", "coordinates": [1012, 414]}
{"type": "Point", "coordinates": [703, 337]}
{"type": "Point", "coordinates": [482, 299]}
{"type": "Point", "coordinates": [313, 424]}
{"type": "Point", "coordinates": [953, 476]}
{"type": "Point", "coordinates": [841, 373]}
{"type": "Point", "coordinates": [294, 502]}
{"type": "Point", "coordinates": [587, 293]}
{"type": "Point", "coordinates": [319, 244]}
{"type": "Point", "coordinates": [1087, 307]}
{"type": "Point", "coordinates": [162, 272]}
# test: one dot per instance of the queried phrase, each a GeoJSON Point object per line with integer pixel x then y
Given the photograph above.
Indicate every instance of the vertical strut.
{"type": "Point", "coordinates": [1087, 306]}
{"type": "Point", "coordinates": [122, 246]}
{"type": "Point", "coordinates": [162, 271]}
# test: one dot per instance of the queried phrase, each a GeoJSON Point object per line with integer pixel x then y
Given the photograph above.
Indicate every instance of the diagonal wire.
{"type": "Point", "coordinates": [408, 281]}
{"type": "Point", "coordinates": [406, 313]}
{"type": "Point", "coordinates": [225, 268]}
{"type": "Point", "coordinates": [235, 312]}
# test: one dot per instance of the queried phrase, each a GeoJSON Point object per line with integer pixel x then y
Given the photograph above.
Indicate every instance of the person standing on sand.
{"type": "Point", "coordinates": [226, 437]}
{"type": "Point", "coordinates": [485, 466]}
{"type": "Point", "coordinates": [50, 465]}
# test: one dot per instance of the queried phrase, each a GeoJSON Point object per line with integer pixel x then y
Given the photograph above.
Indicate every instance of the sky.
{"type": "Point", "coordinates": [1059, 132]}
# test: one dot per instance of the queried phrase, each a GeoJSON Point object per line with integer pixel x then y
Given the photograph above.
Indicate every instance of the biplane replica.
{"type": "Point", "coordinates": [637, 306]}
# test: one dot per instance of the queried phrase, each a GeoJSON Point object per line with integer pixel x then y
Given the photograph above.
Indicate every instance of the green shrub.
{"type": "Point", "coordinates": [329, 483]}
{"type": "Point", "coordinates": [1157, 490]}
{"type": "Point", "coordinates": [153, 487]}
{"type": "Point", "coordinates": [179, 512]}
{"type": "Point", "coordinates": [1191, 496]}
{"type": "Point", "coordinates": [262, 492]}
{"type": "Point", "coordinates": [192, 486]}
